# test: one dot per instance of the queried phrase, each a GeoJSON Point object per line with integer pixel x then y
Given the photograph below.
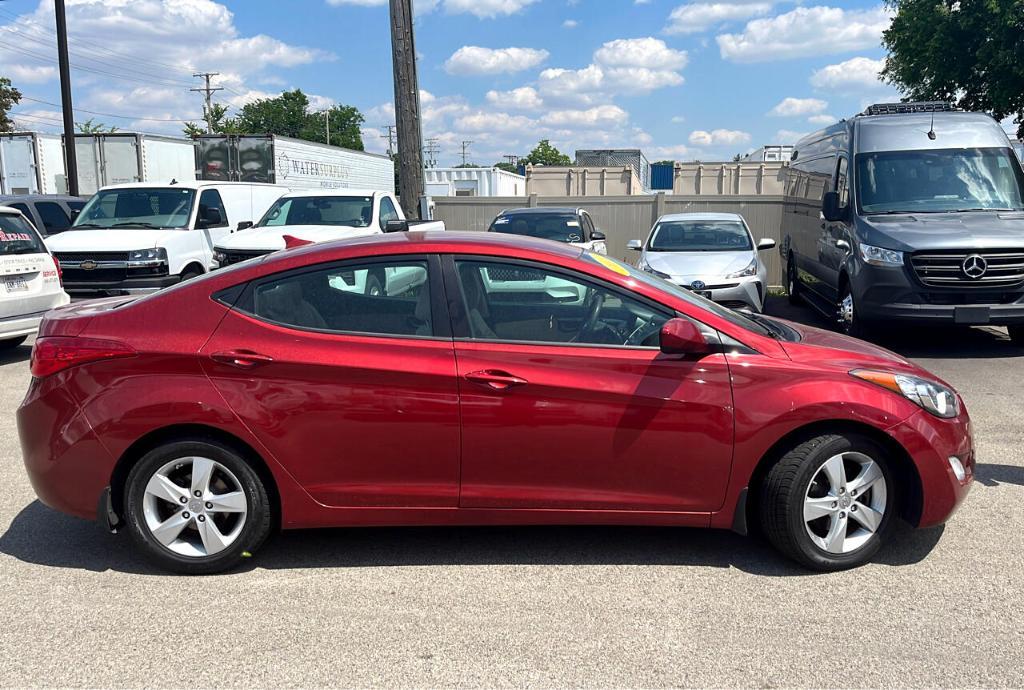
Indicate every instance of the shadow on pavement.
{"type": "Point", "coordinates": [45, 537]}
{"type": "Point", "coordinates": [961, 342]}
{"type": "Point", "coordinates": [22, 353]}
{"type": "Point", "coordinates": [989, 474]}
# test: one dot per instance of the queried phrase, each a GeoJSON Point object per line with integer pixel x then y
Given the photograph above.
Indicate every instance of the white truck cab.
{"type": "Point", "coordinates": [141, 237]}
{"type": "Point", "coordinates": [318, 216]}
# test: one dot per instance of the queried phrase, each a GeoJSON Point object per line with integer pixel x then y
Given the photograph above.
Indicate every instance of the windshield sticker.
{"type": "Point", "coordinates": [609, 263]}
{"type": "Point", "coordinates": [572, 223]}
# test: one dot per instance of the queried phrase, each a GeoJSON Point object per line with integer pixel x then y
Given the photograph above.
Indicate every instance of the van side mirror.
{"type": "Point", "coordinates": [682, 337]}
{"type": "Point", "coordinates": [635, 245]}
{"type": "Point", "coordinates": [597, 235]}
{"type": "Point", "coordinates": [396, 226]}
{"type": "Point", "coordinates": [244, 225]}
{"type": "Point", "coordinates": [210, 215]}
{"type": "Point", "coordinates": [830, 208]}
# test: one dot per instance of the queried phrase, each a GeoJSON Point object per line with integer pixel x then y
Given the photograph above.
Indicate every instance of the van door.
{"type": "Point", "coordinates": [211, 207]}
{"type": "Point", "coordinates": [837, 242]}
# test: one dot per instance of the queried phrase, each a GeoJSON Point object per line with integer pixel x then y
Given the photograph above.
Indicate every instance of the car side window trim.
{"type": "Point", "coordinates": [440, 321]}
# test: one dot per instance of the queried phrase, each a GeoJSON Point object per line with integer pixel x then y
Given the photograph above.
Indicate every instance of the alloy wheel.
{"type": "Point", "coordinates": [847, 316]}
{"type": "Point", "coordinates": [845, 503]}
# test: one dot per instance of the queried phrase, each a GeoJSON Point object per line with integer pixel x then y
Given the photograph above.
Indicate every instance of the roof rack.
{"type": "Point", "coordinates": [909, 107]}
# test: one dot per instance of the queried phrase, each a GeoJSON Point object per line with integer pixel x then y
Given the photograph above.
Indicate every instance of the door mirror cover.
{"type": "Point", "coordinates": [830, 208]}
{"type": "Point", "coordinates": [765, 243]}
{"type": "Point", "coordinates": [682, 337]}
{"type": "Point", "coordinates": [396, 226]}
{"type": "Point", "coordinates": [211, 216]}
{"type": "Point", "coordinates": [597, 235]}
{"type": "Point", "coordinates": [244, 225]}
{"type": "Point", "coordinates": [635, 245]}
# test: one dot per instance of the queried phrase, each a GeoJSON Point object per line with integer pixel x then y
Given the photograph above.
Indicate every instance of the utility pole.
{"type": "Point", "coordinates": [465, 151]}
{"type": "Point", "coordinates": [431, 150]}
{"type": "Point", "coordinates": [390, 136]}
{"type": "Point", "coordinates": [70, 155]}
{"type": "Point", "coordinates": [327, 123]}
{"type": "Point", "coordinates": [407, 108]}
{"type": "Point", "coordinates": [207, 92]}
{"type": "Point", "coordinates": [511, 158]}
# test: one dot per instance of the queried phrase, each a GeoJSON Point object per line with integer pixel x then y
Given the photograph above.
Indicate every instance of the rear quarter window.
{"type": "Point", "coordinates": [18, 237]}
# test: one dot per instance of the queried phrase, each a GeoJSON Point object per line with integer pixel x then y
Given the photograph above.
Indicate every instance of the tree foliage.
{"type": "Point", "coordinates": [287, 115]}
{"type": "Point", "coordinates": [507, 167]}
{"type": "Point", "coordinates": [9, 97]}
{"type": "Point", "coordinates": [91, 127]}
{"type": "Point", "coordinates": [970, 52]}
{"type": "Point", "coordinates": [546, 154]}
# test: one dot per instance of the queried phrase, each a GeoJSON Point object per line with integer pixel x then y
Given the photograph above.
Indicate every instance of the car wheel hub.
{"type": "Point", "coordinates": [845, 503]}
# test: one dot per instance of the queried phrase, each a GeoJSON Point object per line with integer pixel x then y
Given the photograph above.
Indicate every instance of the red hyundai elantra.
{"type": "Point", "coordinates": [456, 379]}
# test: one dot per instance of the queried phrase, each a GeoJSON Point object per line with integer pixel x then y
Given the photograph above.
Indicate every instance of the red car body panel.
{"type": "Point", "coordinates": [364, 430]}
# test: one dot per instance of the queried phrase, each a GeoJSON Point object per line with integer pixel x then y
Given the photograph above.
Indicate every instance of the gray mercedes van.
{"type": "Point", "coordinates": [907, 212]}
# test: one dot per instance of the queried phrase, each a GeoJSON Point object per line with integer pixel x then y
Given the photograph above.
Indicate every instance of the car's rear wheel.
{"type": "Point", "coordinates": [11, 343]}
{"type": "Point", "coordinates": [829, 502]}
{"type": "Point", "coordinates": [1016, 335]}
{"type": "Point", "coordinates": [196, 507]}
{"type": "Point", "coordinates": [792, 282]}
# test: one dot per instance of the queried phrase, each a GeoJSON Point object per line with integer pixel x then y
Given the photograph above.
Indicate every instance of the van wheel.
{"type": "Point", "coordinates": [11, 343]}
{"type": "Point", "coordinates": [792, 282]}
{"type": "Point", "coordinates": [1016, 335]}
{"type": "Point", "coordinates": [196, 507]}
{"type": "Point", "coordinates": [190, 273]}
{"type": "Point", "coordinates": [848, 317]}
{"type": "Point", "coordinates": [829, 502]}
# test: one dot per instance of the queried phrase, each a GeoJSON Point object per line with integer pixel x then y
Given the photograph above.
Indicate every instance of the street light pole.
{"type": "Point", "coordinates": [70, 157]}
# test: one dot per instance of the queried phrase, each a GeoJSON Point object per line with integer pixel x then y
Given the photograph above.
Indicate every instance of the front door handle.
{"type": "Point", "coordinates": [495, 379]}
{"type": "Point", "coordinates": [241, 359]}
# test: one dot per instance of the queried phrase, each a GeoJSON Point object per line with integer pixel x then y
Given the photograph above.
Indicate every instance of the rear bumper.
{"type": "Point", "coordinates": [27, 324]}
{"type": "Point", "coordinates": [931, 441]}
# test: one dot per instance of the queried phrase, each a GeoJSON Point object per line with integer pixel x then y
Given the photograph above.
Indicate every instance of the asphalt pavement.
{"type": "Point", "coordinates": [536, 606]}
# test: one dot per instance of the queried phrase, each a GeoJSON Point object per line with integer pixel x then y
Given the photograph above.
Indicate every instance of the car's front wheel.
{"type": "Point", "coordinates": [829, 501]}
{"type": "Point", "coordinates": [196, 507]}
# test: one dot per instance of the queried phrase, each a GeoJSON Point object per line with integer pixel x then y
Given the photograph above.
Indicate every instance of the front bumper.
{"type": "Point", "coordinates": [733, 293]}
{"type": "Point", "coordinates": [931, 441]}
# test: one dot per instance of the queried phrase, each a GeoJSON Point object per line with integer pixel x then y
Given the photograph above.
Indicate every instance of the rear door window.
{"type": "Point", "coordinates": [18, 237]}
{"type": "Point", "coordinates": [55, 219]}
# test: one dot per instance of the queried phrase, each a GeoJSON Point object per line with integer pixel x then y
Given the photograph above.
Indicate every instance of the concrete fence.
{"type": "Point", "coordinates": [624, 218]}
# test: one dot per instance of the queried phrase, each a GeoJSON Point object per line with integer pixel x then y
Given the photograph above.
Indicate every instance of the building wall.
{"type": "Point", "coordinates": [589, 182]}
{"type": "Point", "coordinates": [627, 217]}
{"type": "Point", "coordinates": [722, 179]}
{"type": "Point", "coordinates": [482, 182]}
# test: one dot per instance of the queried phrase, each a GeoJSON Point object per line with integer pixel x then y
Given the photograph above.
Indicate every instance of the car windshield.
{"type": "Point", "coordinates": [939, 181]}
{"type": "Point", "coordinates": [18, 237]}
{"type": "Point", "coordinates": [560, 227]}
{"type": "Point", "coordinates": [348, 211]}
{"type": "Point", "coordinates": [693, 298]}
{"type": "Point", "coordinates": [700, 236]}
{"type": "Point", "coordinates": [141, 207]}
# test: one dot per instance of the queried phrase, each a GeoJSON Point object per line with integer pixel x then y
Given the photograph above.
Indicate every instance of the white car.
{"type": "Point", "coordinates": [31, 279]}
{"type": "Point", "coordinates": [569, 225]}
{"type": "Point", "coordinates": [140, 237]}
{"type": "Point", "coordinates": [712, 254]}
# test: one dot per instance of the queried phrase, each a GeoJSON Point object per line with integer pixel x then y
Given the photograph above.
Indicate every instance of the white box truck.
{"type": "Point", "coordinates": [301, 165]}
{"type": "Point", "coordinates": [32, 163]}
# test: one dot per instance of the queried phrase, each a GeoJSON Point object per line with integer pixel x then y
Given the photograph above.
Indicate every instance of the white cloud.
{"type": "Point", "coordinates": [486, 9]}
{"type": "Point", "coordinates": [474, 60]}
{"type": "Point", "coordinates": [788, 136]}
{"type": "Point", "coordinates": [822, 120]}
{"type": "Point", "coordinates": [493, 122]}
{"type": "Point", "coordinates": [647, 52]}
{"type": "Point", "coordinates": [30, 74]}
{"type": "Point", "coordinates": [719, 137]}
{"type": "Point", "coordinates": [677, 152]}
{"type": "Point", "coordinates": [796, 107]}
{"type": "Point", "coordinates": [600, 116]}
{"type": "Point", "coordinates": [523, 98]}
{"type": "Point", "coordinates": [806, 31]}
{"type": "Point", "coordinates": [701, 16]}
{"type": "Point", "coordinates": [856, 72]}
{"type": "Point", "coordinates": [570, 24]}
{"type": "Point", "coordinates": [678, 119]}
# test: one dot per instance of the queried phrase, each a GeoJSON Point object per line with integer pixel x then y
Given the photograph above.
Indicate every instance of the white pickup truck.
{"type": "Point", "coordinates": [140, 237]}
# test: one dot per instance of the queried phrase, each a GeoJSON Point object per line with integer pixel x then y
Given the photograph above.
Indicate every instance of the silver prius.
{"type": "Point", "coordinates": [712, 254]}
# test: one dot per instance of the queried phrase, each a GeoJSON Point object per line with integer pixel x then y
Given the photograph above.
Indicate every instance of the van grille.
{"type": "Point", "coordinates": [987, 268]}
{"type": "Point", "coordinates": [234, 257]}
{"type": "Point", "coordinates": [91, 256]}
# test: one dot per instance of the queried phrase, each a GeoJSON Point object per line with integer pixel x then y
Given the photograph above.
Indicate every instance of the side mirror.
{"type": "Point", "coordinates": [396, 226]}
{"type": "Point", "coordinates": [830, 209]}
{"type": "Point", "coordinates": [244, 225]}
{"type": "Point", "coordinates": [597, 235]}
{"type": "Point", "coordinates": [682, 337]}
{"type": "Point", "coordinates": [211, 216]}
{"type": "Point", "coordinates": [765, 243]}
{"type": "Point", "coordinates": [75, 212]}
{"type": "Point", "coordinates": [635, 245]}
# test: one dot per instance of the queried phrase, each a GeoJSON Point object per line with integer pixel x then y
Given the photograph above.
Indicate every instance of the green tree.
{"type": "Point", "coordinates": [9, 97]}
{"type": "Point", "coordinates": [218, 118]}
{"type": "Point", "coordinates": [286, 115]}
{"type": "Point", "coordinates": [546, 154]}
{"type": "Point", "coordinates": [345, 123]}
{"type": "Point", "coordinates": [91, 127]}
{"type": "Point", "coordinates": [507, 167]}
{"type": "Point", "coordinates": [970, 52]}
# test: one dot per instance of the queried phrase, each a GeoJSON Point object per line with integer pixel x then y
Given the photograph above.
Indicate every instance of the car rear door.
{"type": "Point", "coordinates": [355, 394]}
{"type": "Point", "coordinates": [571, 405]}
{"type": "Point", "coordinates": [29, 283]}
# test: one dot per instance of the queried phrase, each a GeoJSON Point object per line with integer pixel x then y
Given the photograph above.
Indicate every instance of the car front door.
{"type": "Point", "coordinates": [569, 404]}
{"type": "Point", "coordinates": [354, 394]}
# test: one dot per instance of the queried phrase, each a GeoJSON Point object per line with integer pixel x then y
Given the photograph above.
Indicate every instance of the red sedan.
{"type": "Point", "coordinates": [486, 380]}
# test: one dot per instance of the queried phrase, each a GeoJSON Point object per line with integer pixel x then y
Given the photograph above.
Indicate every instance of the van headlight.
{"type": "Point", "coordinates": [151, 254]}
{"type": "Point", "coordinates": [930, 395]}
{"type": "Point", "coordinates": [750, 270]}
{"type": "Point", "coordinates": [877, 256]}
{"type": "Point", "coordinates": [220, 257]}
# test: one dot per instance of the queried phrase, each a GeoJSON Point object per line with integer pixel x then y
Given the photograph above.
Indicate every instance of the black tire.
{"type": "Point", "coordinates": [792, 282]}
{"type": "Point", "coordinates": [788, 483]}
{"type": "Point", "coordinates": [190, 273]}
{"type": "Point", "coordinates": [1016, 335]}
{"type": "Point", "coordinates": [256, 521]}
{"type": "Point", "coordinates": [374, 287]}
{"type": "Point", "coordinates": [11, 343]}
{"type": "Point", "coordinates": [853, 325]}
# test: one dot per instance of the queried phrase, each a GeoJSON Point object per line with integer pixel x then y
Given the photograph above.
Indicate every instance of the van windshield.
{"type": "Point", "coordinates": [939, 181]}
{"type": "Point", "coordinates": [347, 211]}
{"type": "Point", "coordinates": [18, 237]}
{"type": "Point", "coordinates": [137, 207]}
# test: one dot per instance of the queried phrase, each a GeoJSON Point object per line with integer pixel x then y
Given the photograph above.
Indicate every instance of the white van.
{"type": "Point", "coordinates": [30, 277]}
{"type": "Point", "coordinates": [141, 237]}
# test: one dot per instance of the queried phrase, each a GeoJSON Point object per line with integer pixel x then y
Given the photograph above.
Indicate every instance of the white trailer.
{"type": "Point", "coordinates": [298, 164]}
{"type": "Point", "coordinates": [473, 182]}
{"type": "Point", "coordinates": [32, 163]}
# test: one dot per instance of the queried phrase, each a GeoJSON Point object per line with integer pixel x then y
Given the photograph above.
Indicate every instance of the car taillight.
{"type": "Point", "coordinates": [60, 273]}
{"type": "Point", "coordinates": [57, 353]}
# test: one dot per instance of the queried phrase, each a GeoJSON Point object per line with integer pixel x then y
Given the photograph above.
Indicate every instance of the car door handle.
{"type": "Point", "coordinates": [241, 359]}
{"type": "Point", "coordinates": [495, 379]}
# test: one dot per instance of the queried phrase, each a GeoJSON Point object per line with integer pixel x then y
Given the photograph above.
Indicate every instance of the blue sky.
{"type": "Point", "coordinates": [678, 79]}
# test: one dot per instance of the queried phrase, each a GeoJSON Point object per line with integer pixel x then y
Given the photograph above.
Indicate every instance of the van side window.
{"type": "Point", "coordinates": [54, 217]}
{"type": "Point", "coordinates": [210, 198]}
{"type": "Point", "coordinates": [387, 212]}
{"type": "Point", "coordinates": [842, 183]}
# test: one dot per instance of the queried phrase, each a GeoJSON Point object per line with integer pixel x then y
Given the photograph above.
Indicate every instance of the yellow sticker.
{"type": "Point", "coordinates": [609, 263]}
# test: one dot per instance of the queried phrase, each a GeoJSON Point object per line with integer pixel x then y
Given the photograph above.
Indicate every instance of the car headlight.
{"type": "Point", "coordinates": [646, 267]}
{"type": "Point", "coordinates": [750, 270]}
{"type": "Point", "coordinates": [220, 257]}
{"type": "Point", "coordinates": [931, 395]}
{"type": "Point", "coordinates": [877, 256]}
{"type": "Point", "coordinates": [157, 254]}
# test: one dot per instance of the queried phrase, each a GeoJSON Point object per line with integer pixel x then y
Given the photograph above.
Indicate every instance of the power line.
{"type": "Point", "coordinates": [94, 112]}
{"type": "Point", "coordinates": [465, 151]}
{"type": "Point", "coordinates": [390, 136]}
{"type": "Point", "coordinates": [430, 151]}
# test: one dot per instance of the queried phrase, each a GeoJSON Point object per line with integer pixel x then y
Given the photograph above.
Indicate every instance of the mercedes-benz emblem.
{"type": "Point", "coordinates": [697, 285]}
{"type": "Point", "coordinates": [974, 266]}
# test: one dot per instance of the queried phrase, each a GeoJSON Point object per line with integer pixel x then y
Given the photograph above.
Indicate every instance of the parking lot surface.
{"type": "Point", "coordinates": [536, 606]}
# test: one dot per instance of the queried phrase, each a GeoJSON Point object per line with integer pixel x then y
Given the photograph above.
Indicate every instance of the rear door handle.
{"type": "Point", "coordinates": [241, 359]}
{"type": "Point", "coordinates": [495, 379]}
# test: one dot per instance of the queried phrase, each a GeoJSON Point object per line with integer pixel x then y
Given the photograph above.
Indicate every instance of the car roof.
{"type": "Point", "coordinates": [190, 184]}
{"type": "Point", "coordinates": [332, 193]}
{"type": "Point", "coordinates": [540, 209]}
{"type": "Point", "coordinates": [701, 216]}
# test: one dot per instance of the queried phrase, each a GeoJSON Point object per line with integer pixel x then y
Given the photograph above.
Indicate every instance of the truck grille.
{"type": "Point", "coordinates": [989, 268]}
{"type": "Point", "coordinates": [233, 256]}
{"type": "Point", "coordinates": [91, 256]}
